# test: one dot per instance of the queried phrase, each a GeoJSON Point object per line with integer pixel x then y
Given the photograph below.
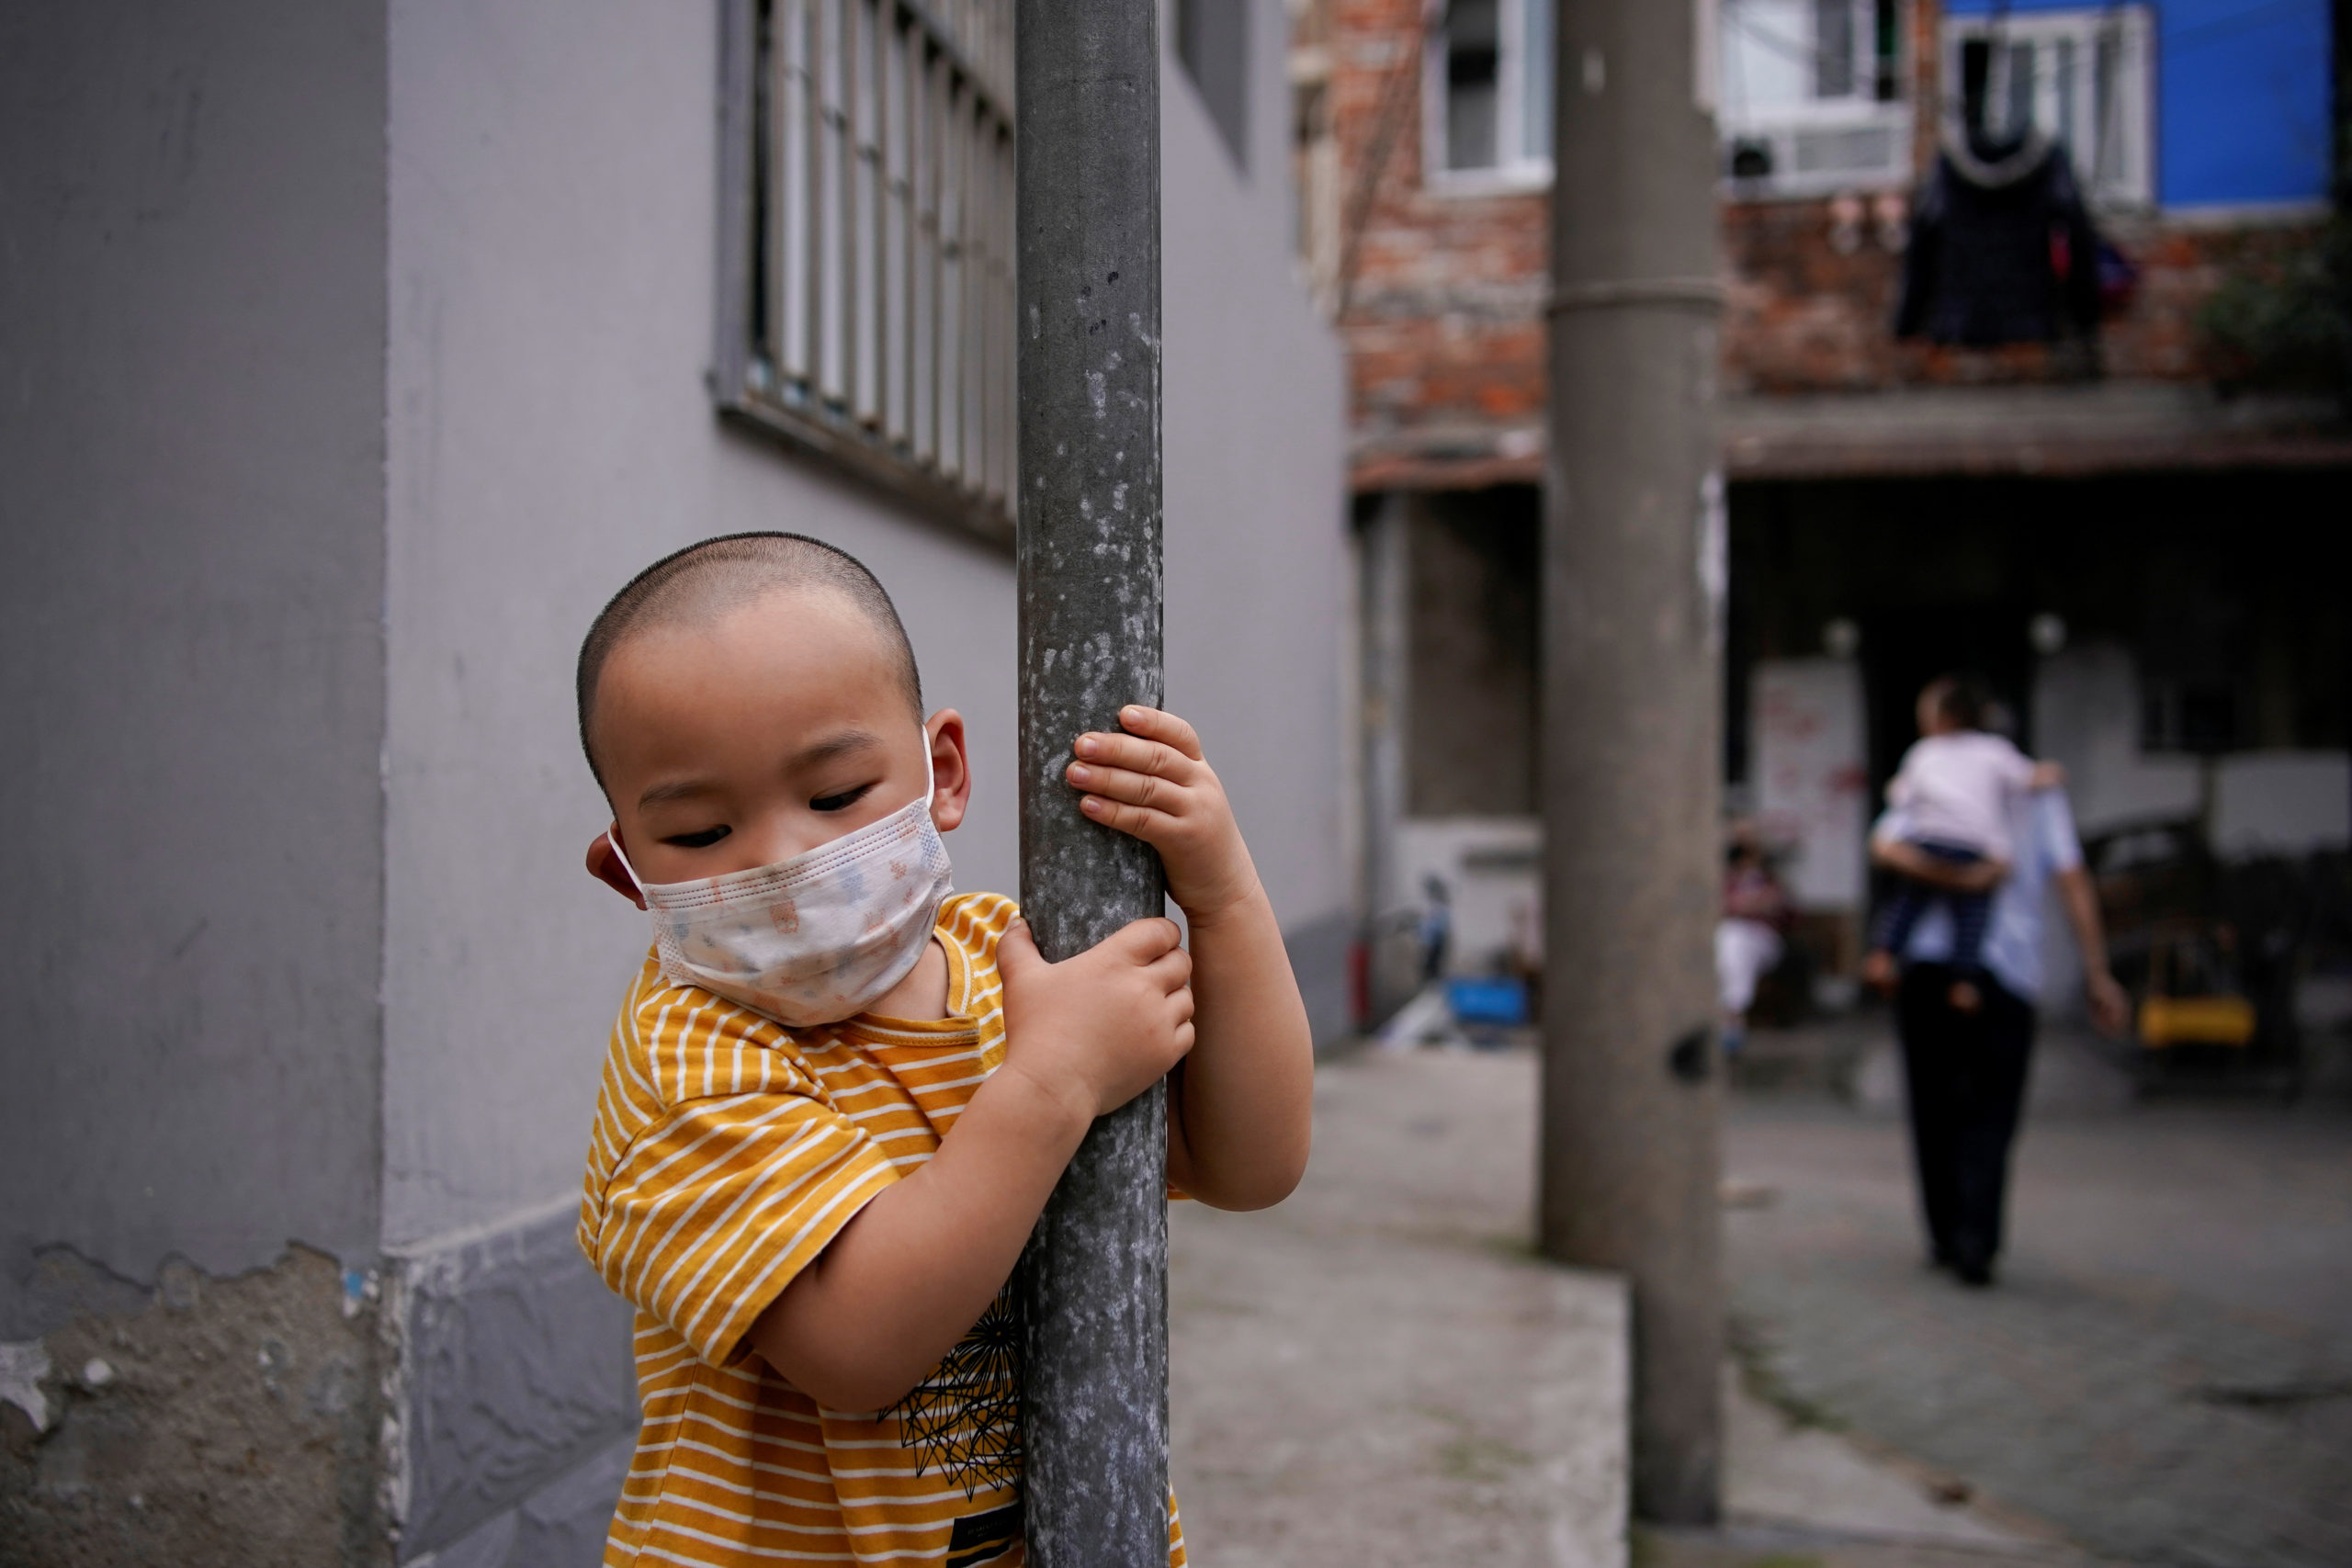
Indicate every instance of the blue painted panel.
{"type": "Point", "coordinates": [2241, 95]}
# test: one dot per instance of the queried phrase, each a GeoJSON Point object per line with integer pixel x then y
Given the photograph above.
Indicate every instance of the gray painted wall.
{"type": "Point", "coordinates": [353, 358]}
{"type": "Point", "coordinates": [1256, 489]}
{"type": "Point", "coordinates": [552, 224]}
{"type": "Point", "coordinates": [552, 231]}
{"type": "Point", "coordinates": [191, 664]}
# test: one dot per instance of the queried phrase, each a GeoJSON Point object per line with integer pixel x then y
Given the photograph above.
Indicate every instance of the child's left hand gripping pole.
{"type": "Point", "coordinates": [1095, 1276]}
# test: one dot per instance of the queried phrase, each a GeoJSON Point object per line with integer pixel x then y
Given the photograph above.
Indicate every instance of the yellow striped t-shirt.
{"type": "Point", "coordinates": [727, 1152]}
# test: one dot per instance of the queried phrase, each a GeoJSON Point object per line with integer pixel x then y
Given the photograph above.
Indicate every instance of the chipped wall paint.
{"type": "Point", "coordinates": [228, 1420]}
{"type": "Point", "coordinates": [22, 1366]}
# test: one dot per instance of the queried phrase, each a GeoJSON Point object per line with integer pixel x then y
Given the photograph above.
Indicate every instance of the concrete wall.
{"type": "Point", "coordinates": [355, 360]}
{"type": "Point", "coordinates": [191, 662]}
{"type": "Point", "coordinates": [1471, 742]}
{"type": "Point", "coordinates": [552, 194]}
{"type": "Point", "coordinates": [191, 680]}
{"type": "Point", "coordinates": [1256, 541]}
{"type": "Point", "coordinates": [1493, 872]}
{"type": "Point", "coordinates": [2087, 719]}
{"type": "Point", "coordinates": [553, 182]}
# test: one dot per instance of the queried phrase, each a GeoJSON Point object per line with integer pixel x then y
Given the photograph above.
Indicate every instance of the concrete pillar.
{"type": "Point", "coordinates": [1632, 712]}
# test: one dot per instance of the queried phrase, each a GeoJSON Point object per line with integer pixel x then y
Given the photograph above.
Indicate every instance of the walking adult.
{"type": "Point", "coordinates": [1966, 1070]}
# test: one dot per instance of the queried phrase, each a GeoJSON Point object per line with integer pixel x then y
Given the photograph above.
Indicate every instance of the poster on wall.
{"type": "Point", "coordinates": [1811, 783]}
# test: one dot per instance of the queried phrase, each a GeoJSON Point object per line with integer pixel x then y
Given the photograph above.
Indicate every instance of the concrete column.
{"type": "Point", "coordinates": [1632, 711]}
{"type": "Point", "coordinates": [1094, 1417]}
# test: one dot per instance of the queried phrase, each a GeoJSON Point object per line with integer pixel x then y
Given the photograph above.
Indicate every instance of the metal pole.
{"type": "Point", "coordinates": [1633, 571]}
{"type": "Point", "coordinates": [1095, 1411]}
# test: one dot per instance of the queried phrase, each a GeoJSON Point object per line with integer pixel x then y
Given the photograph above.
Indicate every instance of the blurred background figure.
{"type": "Point", "coordinates": [1965, 1054]}
{"type": "Point", "coordinates": [1748, 938]}
{"type": "Point", "coordinates": [1437, 928]}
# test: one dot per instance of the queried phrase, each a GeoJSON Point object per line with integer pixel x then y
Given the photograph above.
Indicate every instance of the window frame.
{"type": "Point", "coordinates": [1527, 171]}
{"type": "Point", "coordinates": [2135, 190]}
{"type": "Point", "coordinates": [925, 236]}
{"type": "Point", "coordinates": [1860, 110]}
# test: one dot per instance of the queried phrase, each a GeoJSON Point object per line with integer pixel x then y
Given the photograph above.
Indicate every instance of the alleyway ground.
{"type": "Point", "coordinates": [1378, 1374]}
{"type": "Point", "coordinates": [2164, 1370]}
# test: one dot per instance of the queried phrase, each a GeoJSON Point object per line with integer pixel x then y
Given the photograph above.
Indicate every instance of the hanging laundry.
{"type": "Point", "coordinates": [2002, 249]}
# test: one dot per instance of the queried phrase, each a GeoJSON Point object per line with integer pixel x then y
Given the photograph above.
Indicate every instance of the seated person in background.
{"type": "Point", "coordinates": [1748, 938]}
{"type": "Point", "coordinates": [1955, 791]}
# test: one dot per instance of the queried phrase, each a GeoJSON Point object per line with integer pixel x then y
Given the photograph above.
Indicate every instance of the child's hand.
{"type": "Point", "coordinates": [2047, 776]}
{"type": "Point", "coordinates": [1098, 1029]}
{"type": "Point", "coordinates": [1152, 783]}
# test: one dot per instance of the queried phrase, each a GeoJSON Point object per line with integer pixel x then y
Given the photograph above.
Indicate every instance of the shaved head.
{"type": "Point", "coordinates": [703, 583]}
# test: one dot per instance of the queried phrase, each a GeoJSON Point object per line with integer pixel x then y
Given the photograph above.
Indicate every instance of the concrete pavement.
{"type": "Point", "coordinates": [1377, 1372]}
{"type": "Point", "coordinates": [2164, 1370]}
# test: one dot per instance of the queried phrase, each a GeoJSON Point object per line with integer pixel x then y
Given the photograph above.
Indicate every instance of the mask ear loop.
{"type": "Point", "coordinates": [635, 880]}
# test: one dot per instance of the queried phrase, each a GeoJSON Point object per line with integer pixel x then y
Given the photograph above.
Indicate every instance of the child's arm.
{"type": "Point", "coordinates": [908, 1277]}
{"type": "Point", "coordinates": [1909, 860]}
{"type": "Point", "coordinates": [2045, 775]}
{"type": "Point", "coordinates": [1239, 1118]}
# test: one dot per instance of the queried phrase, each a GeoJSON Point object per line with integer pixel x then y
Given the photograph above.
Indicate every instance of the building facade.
{"type": "Point", "coordinates": [357, 354]}
{"type": "Point", "coordinates": [2123, 526]}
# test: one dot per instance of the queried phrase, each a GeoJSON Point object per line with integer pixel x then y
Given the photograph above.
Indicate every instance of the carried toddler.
{"type": "Point", "coordinates": [1954, 796]}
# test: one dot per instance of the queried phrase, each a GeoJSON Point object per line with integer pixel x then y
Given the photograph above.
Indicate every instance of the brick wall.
{"type": "Point", "coordinates": [1443, 291]}
{"type": "Point", "coordinates": [1810, 298]}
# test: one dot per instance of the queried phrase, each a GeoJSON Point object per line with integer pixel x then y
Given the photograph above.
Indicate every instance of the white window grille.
{"type": "Point", "coordinates": [866, 286]}
{"type": "Point", "coordinates": [1487, 94]}
{"type": "Point", "coordinates": [2082, 78]}
{"type": "Point", "coordinates": [1810, 96]}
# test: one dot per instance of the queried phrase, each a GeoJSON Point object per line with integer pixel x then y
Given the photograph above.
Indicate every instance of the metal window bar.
{"type": "Point", "coordinates": [871, 316]}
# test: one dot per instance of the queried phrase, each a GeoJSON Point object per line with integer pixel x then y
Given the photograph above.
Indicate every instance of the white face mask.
{"type": "Point", "coordinates": [815, 939]}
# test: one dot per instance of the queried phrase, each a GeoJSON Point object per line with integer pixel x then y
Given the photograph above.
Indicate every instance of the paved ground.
{"type": "Point", "coordinates": [1376, 1375]}
{"type": "Point", "coordinates": [2164, 1371]}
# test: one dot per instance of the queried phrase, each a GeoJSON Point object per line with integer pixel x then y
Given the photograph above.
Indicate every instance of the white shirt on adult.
{"type": "Point", "coordinates": [2040, 833]}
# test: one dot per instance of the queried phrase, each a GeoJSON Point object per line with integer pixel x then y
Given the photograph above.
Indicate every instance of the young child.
{"type": "Point", "coordinates": [838, 1094]}
{"type": "Point", "coordinates": [1955, 792]}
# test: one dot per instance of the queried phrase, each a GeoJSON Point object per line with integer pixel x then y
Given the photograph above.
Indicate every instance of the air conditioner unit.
{"type": "Point", "coordinates": [1815, 153]}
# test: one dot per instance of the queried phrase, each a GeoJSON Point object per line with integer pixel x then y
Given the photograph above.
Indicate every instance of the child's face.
{"type": "Point", "coordinates": [1932, 719]}
{"type": "Point", "coordinates": [777, 728]}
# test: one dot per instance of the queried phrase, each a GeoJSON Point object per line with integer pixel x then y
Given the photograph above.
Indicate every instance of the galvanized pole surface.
{"type": "Point", "coordinates": [1095, 1278]}
{"type": "Point", "coordinates": [1633, 553]}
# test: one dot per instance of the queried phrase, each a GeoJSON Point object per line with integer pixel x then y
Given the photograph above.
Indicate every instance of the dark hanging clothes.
{"type": "Point", "coordinates": [2001, 248]}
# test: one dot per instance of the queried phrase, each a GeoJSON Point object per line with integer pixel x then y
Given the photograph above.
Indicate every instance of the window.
{"type": "Point", "coordinates": [1489, 92]}
{"type": "Point", "coordinates": [866, 259]}
{"type": "Point", "coordinates": [2079, 77]}
{"type": "Point", "coordinates": [1810, 96]}
{"type": "Point", "coordinates": [1212, 42]}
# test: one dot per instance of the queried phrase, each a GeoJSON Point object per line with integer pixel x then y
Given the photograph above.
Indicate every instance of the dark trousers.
{"type": "Point", "coordinates": [1971, 912]}
{"type": "Point", "coordinates": [1966, 1072]}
